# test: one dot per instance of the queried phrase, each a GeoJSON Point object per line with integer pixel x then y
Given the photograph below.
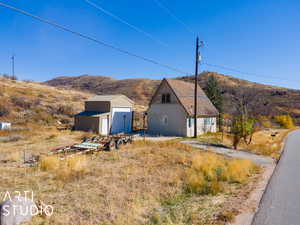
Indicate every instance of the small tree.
{"type": "Point", "coordinates": [242, 128]}
{"type": "Point", "coordinates": [244, 113]}
{"type": "Point", "coordinates": [214, 93]}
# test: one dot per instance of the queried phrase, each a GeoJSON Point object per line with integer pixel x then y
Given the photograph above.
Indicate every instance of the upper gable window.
{"type": "Point", "coordinates": [165, 98]}
{"type": "Point", "coordinates": [168, 98]}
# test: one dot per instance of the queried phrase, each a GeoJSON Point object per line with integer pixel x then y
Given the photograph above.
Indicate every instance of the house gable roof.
{"type": "Point", "coordinates": [184, 91]}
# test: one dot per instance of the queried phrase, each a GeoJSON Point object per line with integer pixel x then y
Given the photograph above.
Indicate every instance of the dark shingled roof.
{"type": "Point", "coordinates": [90, 113]}
{"type": "Point", "coordinates": [185, 94]}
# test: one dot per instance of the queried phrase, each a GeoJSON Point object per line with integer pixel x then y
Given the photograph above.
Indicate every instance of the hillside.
{"type": "Point", "coordinates": [30, 102]}
{"type": "Point", "coordinates": [140, 90]}
{"type": "Point", "coordinates": [276, 99]}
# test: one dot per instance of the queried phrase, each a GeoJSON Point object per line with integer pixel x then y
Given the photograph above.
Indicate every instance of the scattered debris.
{"type": "Point", "coordinates": [5, 126]}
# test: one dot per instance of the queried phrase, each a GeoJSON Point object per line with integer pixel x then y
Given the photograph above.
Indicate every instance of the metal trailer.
{"type": "Point", "coordinates": [94, 144]}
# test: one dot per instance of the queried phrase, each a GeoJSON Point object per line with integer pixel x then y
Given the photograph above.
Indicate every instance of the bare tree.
{"type": "Point", "coordinates": [246, 105]}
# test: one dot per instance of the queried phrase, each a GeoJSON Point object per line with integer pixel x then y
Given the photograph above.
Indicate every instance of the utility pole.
{"type": "Point", "coordinates": [196, 85]}
{"type": "Point", "coordinates": [196, 88]}
{"type": "Point", "coordinates": [13, 65]}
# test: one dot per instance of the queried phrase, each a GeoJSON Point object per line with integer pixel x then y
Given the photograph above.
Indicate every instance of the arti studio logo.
{"type": "Point", "coordinates": [21, 203]}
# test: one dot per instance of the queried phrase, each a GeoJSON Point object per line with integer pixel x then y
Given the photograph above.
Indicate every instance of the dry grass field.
{"type": "Point", "coordinates": [143, 183]}
{"type": "Point", "coordinates": [266, 142]}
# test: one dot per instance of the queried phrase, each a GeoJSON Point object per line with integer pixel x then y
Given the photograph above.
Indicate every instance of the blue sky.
{"type": "Point", "coordinates": [255, 36]}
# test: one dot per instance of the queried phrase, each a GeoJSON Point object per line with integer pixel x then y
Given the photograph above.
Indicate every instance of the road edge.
{"type": "Point", "coordinates": [256, 196]}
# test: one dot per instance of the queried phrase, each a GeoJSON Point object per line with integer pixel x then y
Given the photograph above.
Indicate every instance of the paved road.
{"type": "Point", "coordinates": [259, 159]}
{"type": "Point", "coordinates": [281, 203]}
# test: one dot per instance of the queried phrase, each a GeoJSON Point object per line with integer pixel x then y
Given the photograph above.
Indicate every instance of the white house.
{"type": "Point", "coordinates": [171, 110]}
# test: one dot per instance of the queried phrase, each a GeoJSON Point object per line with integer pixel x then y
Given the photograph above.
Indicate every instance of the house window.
{"type": "Point", "coordinates": [207, 121]}
{"type": "Point", "coordinates": [165, 98]}
{"type": "Point", "coordinates": [190, 122]}
{"type": "Point", "coordinates": [165, 120]}
{"type": "Point", "coordinates": [168, 98]}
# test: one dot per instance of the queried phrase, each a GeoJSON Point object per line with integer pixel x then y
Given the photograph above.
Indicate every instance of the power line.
{"type": "Point", "coordinates": [125, 22]}
{"type": "Point", "coordinates": [161, 5]}
{"type": "Point", "coordinates": [242, 72]}
{"type": "Point", "coordinates": [92, 39]}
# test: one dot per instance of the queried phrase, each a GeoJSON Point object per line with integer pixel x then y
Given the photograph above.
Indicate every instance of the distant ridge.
{"type": "Point", "coordinates": [281, 100]}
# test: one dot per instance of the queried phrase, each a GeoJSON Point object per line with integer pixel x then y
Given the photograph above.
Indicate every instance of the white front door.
{"type": "Point", "coordinates": [104, 126]}
{"type": "Point", "coordinates": [121, 120]}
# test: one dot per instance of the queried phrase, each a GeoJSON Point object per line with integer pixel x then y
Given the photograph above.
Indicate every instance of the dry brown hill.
{"type": "Point", "coordinates": [140, 90]}
{"type": "Point", "coordinates": [25, 102]}
{"type": "Point", "coordinates": [276, 99]}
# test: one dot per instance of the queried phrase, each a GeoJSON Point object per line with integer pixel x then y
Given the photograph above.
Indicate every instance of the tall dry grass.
{"type": "Point", "coordinates": [65, 170]}
{"type": "Point", "coordinates": [208, 173]}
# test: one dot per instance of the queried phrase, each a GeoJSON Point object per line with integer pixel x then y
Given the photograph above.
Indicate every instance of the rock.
{"type": "Point", "coordinates": [17, 211]}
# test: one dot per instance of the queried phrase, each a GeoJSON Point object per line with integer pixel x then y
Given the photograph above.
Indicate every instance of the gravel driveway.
{"type": "Point", "coordinates": [261, 160]}
{"type": "Point", "coordinates": [280, 204]}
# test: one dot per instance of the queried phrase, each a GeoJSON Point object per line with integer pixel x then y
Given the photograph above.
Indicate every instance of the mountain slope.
{"type": "Point", "coordinates": [25, 102]}
{"type": "Point", "coordinates": [276, 99]}
{"type": "Point", "coordinates": [140, 90]}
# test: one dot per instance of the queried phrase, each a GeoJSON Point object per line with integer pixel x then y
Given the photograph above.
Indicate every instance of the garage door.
{"type": "Point", "coordinates": [104, 128]}
{"type": "Point", "coordinates": [121, 120]}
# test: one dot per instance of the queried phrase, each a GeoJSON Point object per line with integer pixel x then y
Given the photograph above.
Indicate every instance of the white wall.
{"type": "Point", "coordinates": [175, 116]}
{"type": "Point", "coordinates": [204, 125]}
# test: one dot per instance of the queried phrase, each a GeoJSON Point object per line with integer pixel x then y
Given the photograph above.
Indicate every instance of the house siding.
{"type": "Point", "coordinates": [94, 123]}
{"type": "Point", "coordinates": [87, 123]}
{"type": "Point", "coordinates": [175, 126]}
{"type": "Point", "coordinates": [97, 106]}
{"type": "Point", "coordinates": [164, 89]}
{"type": "Point", "coordinates": [173, 112]}
{"type": "Point", "coordinates": [202, 125]}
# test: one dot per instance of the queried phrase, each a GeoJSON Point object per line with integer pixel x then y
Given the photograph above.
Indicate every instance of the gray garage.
{"type": "Point", "coordinates": [106, 114]}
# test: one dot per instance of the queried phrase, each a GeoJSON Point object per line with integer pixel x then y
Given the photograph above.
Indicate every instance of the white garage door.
{"type": "Point", "coordinates": [121, 120]}
{"type": "Point", "coordinates": [104, 128]}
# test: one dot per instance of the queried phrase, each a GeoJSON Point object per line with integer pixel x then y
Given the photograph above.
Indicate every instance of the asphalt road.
{"type": "Point", "coordinates": [280, 204]}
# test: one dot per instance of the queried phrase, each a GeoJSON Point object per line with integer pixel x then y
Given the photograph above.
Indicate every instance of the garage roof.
{"type": "Point", "coordinates": [90, 113]}
{"type": "Point", "coordinates": [108, 98]}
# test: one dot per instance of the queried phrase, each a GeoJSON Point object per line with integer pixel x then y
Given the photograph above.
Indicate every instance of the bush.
{"type": "Point", "coordinates": [65, 110]}
{"type": "Point", "coordinates": [285, 121]}
{"type": "Point", "coordinates": [242, 129]}
{"type": "Point", "coordinates": [238, 170]}
{"type": "Point", "coordinates": [265, 121]}
{"type": "Point", "coordinates": [21, 102]}
{"type": "Point", "coordinates": [4, 110]}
